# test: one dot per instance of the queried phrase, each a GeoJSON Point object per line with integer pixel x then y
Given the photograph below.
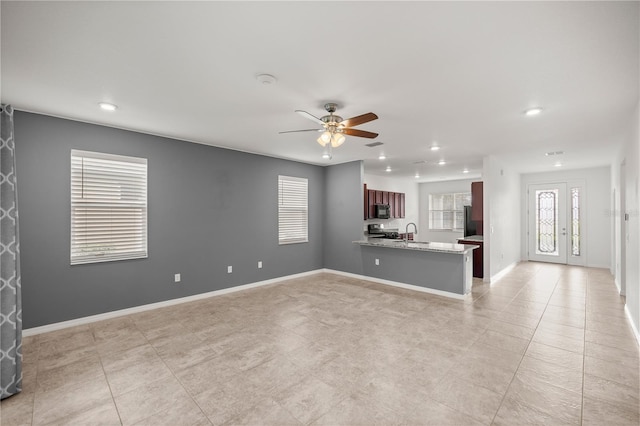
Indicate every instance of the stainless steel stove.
{"type": "Point", "coordinates": [377, 230]}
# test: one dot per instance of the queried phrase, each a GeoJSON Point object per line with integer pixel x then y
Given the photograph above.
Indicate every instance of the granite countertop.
{"type": "Point", "coordinates": [472, 238]}
{"type": "Point", "coordinates": [418, 245]}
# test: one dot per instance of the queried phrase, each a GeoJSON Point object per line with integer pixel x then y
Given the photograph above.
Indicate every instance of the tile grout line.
{"type": "Point", "coordinates": [33, 404]}
{"type": "Point", "coordinates": [527, 348]}
{"type": "Point", "coordinates": [113, 398]}
{"type": "Point", "coordinates": [584, 350]}
{"type": "Point", "coordinates": [172, 373]}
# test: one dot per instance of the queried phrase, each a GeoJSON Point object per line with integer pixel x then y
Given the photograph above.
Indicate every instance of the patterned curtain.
{"type": "Point", "coordinates": [10, 296]}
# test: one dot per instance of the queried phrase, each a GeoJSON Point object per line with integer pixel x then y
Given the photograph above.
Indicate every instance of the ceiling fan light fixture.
{"type": "Point", "coordinates": [324, 138]}
{"type": "Point", "coordinates": [337, 139]}
{"type": "Point", "coordinates": [334, 128]}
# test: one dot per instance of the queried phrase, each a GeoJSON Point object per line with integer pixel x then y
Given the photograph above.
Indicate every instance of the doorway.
{"type": "Point", "coordinates": [556, 222]}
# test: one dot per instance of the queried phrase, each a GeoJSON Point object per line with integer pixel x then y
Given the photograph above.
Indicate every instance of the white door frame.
{"type": "Point", "coordinates": [624, 238]}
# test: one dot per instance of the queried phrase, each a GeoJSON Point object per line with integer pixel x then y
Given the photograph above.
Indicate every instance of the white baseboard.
{"type": "Point", "coordinates": [502, 273]}
{"type": "Point", "coordinates": [142, 308]}
{"type": "Point", "coordinates": [397, 284]}
{"type": "Point", "coordinates": [633, 326]}
{"type": "Point", "coordinates": [599, 266]}
{"type": "Point", "coordinates": [618, 286]}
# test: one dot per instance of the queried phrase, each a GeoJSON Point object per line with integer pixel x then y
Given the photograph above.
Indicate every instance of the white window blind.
{"type": "Point", "coordinates": [446, 211]}
{"type": "Point", "coordinates": [108, 207]}
{"type": "Point", "coordinates": [292, 210]}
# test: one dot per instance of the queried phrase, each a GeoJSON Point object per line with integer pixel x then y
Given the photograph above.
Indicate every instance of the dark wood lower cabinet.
{"type": "Point", "coordinates": [478, 258]}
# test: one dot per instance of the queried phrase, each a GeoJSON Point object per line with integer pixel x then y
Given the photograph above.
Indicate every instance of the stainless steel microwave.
{"type": "Point", "coordinates": [383, 211]}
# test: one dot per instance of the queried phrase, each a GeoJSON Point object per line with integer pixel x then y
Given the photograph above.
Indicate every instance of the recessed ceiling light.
{"type": "Point", "coordinates": [465, 171]}
{"type": "Point", "coordinates": [442, 162]}
{"type": "Point", "coordinates": [417, 176]}
{"type": "Point", "coordinates": [388, 169]}
{"type": "Point", "coordinates": [107, 106]}
{"type": "Point", "coordinates": [558, 164]}
{"type": "Point", "coordinates": [326, 156]}
{"type": "Point", "coordinates": [382, 157]}
{"type": "Point", "coordinates": [435, 148]}
{"type": "Point", "coordinates": [266, 79]}
{"type": "Point", "coordinates": [533, 111]}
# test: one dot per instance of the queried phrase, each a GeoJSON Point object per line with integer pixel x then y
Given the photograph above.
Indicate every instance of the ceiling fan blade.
{"type": "Point", "coordinates": [361, 119]}
{"type": "Point", "coordinates": [309, 116]}
{"type": "Point", "coordinates": [304, 130]}
{"type": "Point", "coordinates": [360, 133]}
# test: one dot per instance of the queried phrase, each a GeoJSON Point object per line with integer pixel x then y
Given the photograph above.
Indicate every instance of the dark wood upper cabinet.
{"type": "Point", "coordinates": [392, 205]}
{"type": "Point", "coordinates": [378, 197]}
{"type": "Point", "coordinates": [371, 202]}
{"type": "Point", "coordinates": [373, 197]}
{"type": "Point", "coordinates": [366, 202]}
{"type": "Point", "coordinates": [476, 201]}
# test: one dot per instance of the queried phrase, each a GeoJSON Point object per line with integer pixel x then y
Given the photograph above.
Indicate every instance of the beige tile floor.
{"type": "Point", "coordinates": [546, 344]}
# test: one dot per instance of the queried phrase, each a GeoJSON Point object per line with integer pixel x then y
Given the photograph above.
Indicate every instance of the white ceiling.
{"type": "Point", "coordinates": [458, 74]}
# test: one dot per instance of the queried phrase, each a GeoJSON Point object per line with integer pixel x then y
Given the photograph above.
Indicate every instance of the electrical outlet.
{"type": "Point", "coordinates": [377, 261]}
{"type": "Point", "coordinates": [176, 278]}
{"type": "Point", "coordinates": [229, 269]}
{"type": "Point", "coordinates": [259, 264]}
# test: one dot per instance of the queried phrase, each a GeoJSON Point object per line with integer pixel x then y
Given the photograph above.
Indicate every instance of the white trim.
{"type": "Point", "coordinates": [502, 273]}
{"type": "Point", "coordinates": [633, 326]}
{"type": "Point", "coordinates": [599, 266]}
{"type": "Point", "coordinates": [398, 284]}
{"type": "Point", "coordinates": [142, 308]}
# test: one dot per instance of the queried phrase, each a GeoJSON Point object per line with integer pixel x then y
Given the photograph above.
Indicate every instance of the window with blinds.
{"type": "Point", "coordinates": [446, 211]}
{"type": "Point", "coordinates": [293, 217]}
{"type": "Point", "coordinates": [108, 207]}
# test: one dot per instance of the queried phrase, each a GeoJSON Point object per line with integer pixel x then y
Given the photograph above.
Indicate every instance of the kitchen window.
{"type": "Point", "coordinates": [293, 206]}
{"type": "Point", "coordinates": [108, 207]}
{"type": "Point", "coordinates": [446, 211]}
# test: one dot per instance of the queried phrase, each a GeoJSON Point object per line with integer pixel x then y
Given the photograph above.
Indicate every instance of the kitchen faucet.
{"type": "Point", "coordinates": [406, 232]}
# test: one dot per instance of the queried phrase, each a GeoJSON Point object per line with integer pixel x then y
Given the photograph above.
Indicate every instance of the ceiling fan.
{"type": "Point", "coordinates": [334, 128]}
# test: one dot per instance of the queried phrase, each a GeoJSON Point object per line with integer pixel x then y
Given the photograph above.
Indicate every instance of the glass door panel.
{"type": "Point", "coordinates": [547, 234]}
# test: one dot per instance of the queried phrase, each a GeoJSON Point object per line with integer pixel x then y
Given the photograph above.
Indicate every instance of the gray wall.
{"type": "Point", "coordinates": [440, 271]}
{"type": "Point", "coordinates": [208, 208]}
{"type": "Point", "coordinates": [343, 217]}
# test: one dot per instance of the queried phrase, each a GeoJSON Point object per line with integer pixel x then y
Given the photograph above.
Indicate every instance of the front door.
{"type": "Point", "coordinates": [548, 222]}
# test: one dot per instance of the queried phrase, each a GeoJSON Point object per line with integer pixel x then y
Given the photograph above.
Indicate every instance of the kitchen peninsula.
{"type": "Point", "coordinates": [436, 267]}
